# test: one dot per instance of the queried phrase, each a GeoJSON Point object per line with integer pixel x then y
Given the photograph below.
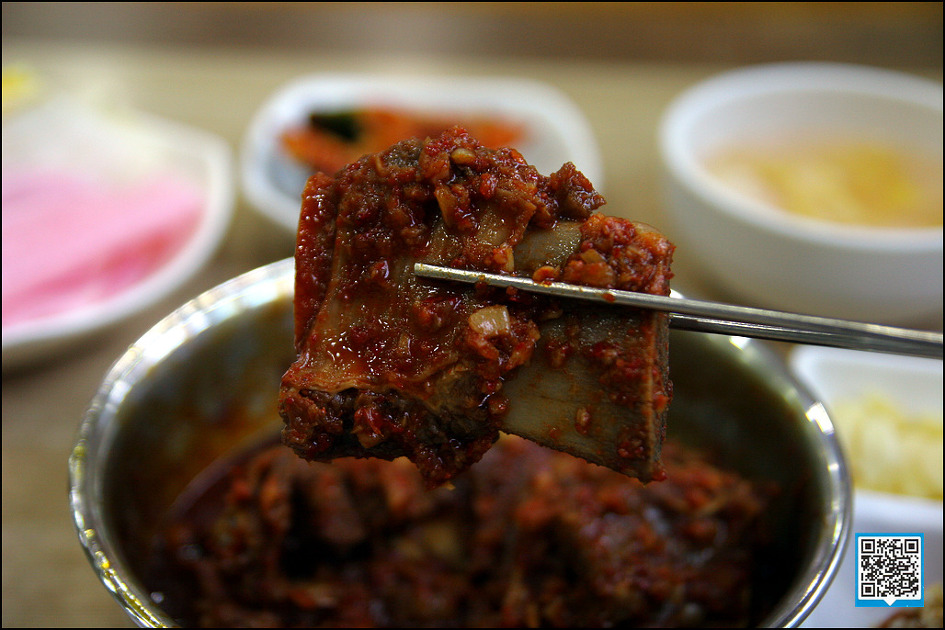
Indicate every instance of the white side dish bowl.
{"type": "Point", "coordinates": [763, 255]}
{"type": "Point", "coordinates": [130, 154]}
{"type": "Point", "coordinates": [914, 386]}
{"type": "Point", "coordinates": [555, 130]}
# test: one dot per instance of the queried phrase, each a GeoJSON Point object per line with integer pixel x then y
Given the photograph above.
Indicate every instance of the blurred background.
{"type": "Point", "coordinates": [212, 65]}
{"type": "Point", "coordinates": [880, 33]}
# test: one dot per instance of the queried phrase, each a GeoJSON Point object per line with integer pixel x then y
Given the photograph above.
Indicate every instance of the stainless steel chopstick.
{"type": "Point", "coordinates": [714, 317]}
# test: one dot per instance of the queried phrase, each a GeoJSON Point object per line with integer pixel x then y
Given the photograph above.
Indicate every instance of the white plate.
{"type": "Point", "coordinates": [117, 147]}
{"type": "Point", "coordinates": [556, 131]}
{"type": "Point", "coordinates": [915, 385]}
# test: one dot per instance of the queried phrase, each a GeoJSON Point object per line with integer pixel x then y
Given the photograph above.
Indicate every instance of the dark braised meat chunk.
{"type": "Point", "coordinates": [526, 538]}
{"type": "Point", "coordinates": [389, 364]}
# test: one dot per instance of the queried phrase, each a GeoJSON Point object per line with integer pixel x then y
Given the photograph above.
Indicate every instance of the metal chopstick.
{"type": "Point", "coordinates": [714, 317]}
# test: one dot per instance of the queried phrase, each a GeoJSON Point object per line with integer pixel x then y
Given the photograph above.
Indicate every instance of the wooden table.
{"type": "Point", "coordinates": [47, 580]}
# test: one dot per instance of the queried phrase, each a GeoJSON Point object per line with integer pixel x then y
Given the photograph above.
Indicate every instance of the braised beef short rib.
{"type": "Point", "coordinates": [392, 365]}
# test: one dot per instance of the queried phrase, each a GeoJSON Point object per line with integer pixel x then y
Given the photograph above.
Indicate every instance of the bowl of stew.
{"type": "Point", "coordinates": [192, 513]}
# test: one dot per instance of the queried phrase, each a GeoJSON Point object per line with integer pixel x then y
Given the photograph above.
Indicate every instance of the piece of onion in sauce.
{"type": "Point", "coordinates": [491, 321]}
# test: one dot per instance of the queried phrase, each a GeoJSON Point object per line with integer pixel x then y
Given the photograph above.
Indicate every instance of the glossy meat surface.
{"type": "Point", "coordinates": [393, 365]}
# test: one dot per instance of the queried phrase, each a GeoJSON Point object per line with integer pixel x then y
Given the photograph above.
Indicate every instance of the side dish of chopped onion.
{"type": "Point", "coordinates": [888, 449]}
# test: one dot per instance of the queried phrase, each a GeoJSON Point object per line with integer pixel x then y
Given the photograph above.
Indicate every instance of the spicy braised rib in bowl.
{"type": "Point", "coordinates": [190, 404]}
{"type": "Point", "coordinates": [737, 517]}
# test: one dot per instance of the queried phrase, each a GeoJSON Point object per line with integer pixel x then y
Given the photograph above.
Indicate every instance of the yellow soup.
{"type": "Point", "coordinates": [841, 181]}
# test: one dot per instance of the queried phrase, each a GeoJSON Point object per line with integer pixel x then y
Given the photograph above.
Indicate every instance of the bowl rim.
{"type": "Point", "coordinates": [793, 77]}
{"type": "Point", "coordinates": [97, 432]}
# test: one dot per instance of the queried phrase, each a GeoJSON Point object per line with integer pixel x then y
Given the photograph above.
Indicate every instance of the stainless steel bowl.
{"type": "Point", "coordinates": [204, 381]}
